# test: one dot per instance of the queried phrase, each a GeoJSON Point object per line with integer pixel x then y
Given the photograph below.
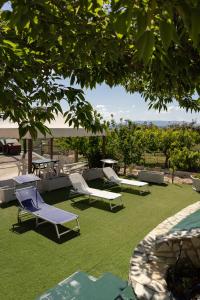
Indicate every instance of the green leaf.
{"type": "Point", "coordinates": [100, 2]}
{"type": "Point", "coordinates": [72, 79]}
{"type": "Point", "coordinates": [2, 2]}
{"type": "Point", "coordinates": [60, 40]}
{"type": "Point", "coordinates": [195, 25]}
{"type": "Point", "coordinates": [184, 11]}
{"type": "Point", "coordinates": [35, 20]}
{"type": "Point", "coordinates": [22, 131]}
{"type": "Point", "coordinates": [166, 33]}
{"type": "Point", "coordinates": [145, 46]}
{"type": "Point", "coordinates": [122, 22]}
{"type": "Point", "coordinates": [141, 23]}
{"type": "Point", "coordinates": [8, 42]}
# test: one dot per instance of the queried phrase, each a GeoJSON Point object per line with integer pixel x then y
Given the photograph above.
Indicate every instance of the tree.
{"type": "Point", "coordinates": [176, 139]}
{"type": "Point", "coordinates": [30, 92]}
{"type": "Point", "coordinates": [151, 138]}
{"type": "Point", "coordinates": [89, 147]}
{"type": "Point", "coordinates": [147, 46]}
{"type": "Point", "coordinates": [184, 159]}
{"type": "Point", "coordinates": [130, 148]}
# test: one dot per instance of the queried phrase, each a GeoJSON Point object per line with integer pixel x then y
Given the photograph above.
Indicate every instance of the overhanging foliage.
{"type": "Point", "coordinates": [148, 46]}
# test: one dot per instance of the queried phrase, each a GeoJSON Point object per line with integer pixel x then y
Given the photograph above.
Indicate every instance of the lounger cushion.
{"type": "Point", "coordinates": [133, 182]}
{"type": "Point", "coordinates": [112, 176]}
{"type": "Point", "coordinates": [80, 185]}
{"type": "Point", "coordinates": [103, 194]}
{"type": "Point", "coordinates": [55, 215]}
{"type": "Point", "coordinates": [28, 204]}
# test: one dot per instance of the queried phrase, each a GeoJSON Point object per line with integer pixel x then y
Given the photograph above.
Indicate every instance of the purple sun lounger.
{"type": "Point", "coordinates": [31, 202]}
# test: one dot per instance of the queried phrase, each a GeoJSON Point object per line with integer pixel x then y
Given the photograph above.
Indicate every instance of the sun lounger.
{"type": "Point", "coordinates": [113, 178]}
{"type": "Point", "coordinates": [31, 202]}
{"type": "Point", "coordinates": [80, 186]}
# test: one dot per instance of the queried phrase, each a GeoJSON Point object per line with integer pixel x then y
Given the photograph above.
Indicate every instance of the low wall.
{"type": "Point", "coordinates": [7, 191]}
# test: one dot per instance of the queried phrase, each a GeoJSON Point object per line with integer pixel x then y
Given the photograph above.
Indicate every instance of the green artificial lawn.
{"type": "Point", "coordinates": [32, 261]}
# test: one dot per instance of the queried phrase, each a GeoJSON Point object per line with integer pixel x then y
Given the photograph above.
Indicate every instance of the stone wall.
{"type": "Point", "coordinates": [159, 250]}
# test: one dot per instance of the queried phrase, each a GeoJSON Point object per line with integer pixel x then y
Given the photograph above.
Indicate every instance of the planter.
{"type": "Point", "coordinates": [7, 191]}
{"type": "Point", "coordinates": [151, 176]}
{"type": "Point", "coordinates": [54, 183]}
{"type": "Point", "coordinates": [94, 173]}
{"type": "Point", "coordinates": [195, 183]}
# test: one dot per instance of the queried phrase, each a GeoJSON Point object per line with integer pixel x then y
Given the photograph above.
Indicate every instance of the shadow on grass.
{"type": "Point", "coordinates": [56, 196]}
{"type": "Point", "coordinates": [158, 184]}
{"type": "Point", "coordinates": [47, 230]}
{"type": "Point", "coordinates": [80, 204]}
{"type": "Point", "coordinates": [100, 204]}
{"type": "Point", "coordinates": [8, 204]}
{"type": "Point", "coordinates": [129, 190]}
{"type": "Point", "coordinates": [136, 192]}
{"type": "Point", "coordinates": [178, 185]}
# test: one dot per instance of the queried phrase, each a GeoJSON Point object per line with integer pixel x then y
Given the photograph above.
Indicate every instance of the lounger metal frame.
{"type": "Point", "coordinates": [92, 199]}
{"type": "Point", "coordinates": [22, 212]}
{"type": "Point", "coordinates": [140, 189]}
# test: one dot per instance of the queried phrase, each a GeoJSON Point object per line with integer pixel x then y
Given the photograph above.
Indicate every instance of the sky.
{"type": "Point", "coordinates": [124, 105]}
{"type": "Point", "coordinates": [121, 104]}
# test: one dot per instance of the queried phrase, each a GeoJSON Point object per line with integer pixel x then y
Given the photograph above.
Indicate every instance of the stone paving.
{"type": "Point", "coordinates": [159, 250]}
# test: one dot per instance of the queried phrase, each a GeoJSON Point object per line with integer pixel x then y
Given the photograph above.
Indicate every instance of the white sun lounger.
{"type": "Point", "coordinates": [113, 178]}
{"type": "Point", "coordinates": [80, 187]}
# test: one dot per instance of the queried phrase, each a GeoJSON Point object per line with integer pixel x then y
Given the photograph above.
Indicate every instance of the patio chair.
{"type": "Point", "coordinates": [113, 178]}
{"type": "Point", "coordinates": [32, 203]}
{"type": "Point", "coordinates": [80, 187]}
{"type": "Point", "coordinates": [22, 167]}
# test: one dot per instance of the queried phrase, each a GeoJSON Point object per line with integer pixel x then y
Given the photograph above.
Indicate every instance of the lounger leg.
{"type": "Point", "coordinates": [78, 224]}
{"type": "Point", "coordinates": [36, 222]}
{"type": "Point", "coordinates": [145, 190]}
{"type": "Point", "coordinates": [122, 204]}
{"type": "Point", "coordinates": [18, 216]}
{"type": "Point", "coordinates": [58, 235]}
{"type": "Point", "coordinates": [113, 206]}
{"type": "Point", "coordinates": [92, 200]}
{"type": "Point", "coordinates": [21, 213]}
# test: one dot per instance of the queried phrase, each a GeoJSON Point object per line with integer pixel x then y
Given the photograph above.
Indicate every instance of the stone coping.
{"type": "Point", "coordinates": [157, 251]}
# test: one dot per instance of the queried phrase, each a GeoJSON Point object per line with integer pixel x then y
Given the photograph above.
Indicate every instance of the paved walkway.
{"type": "Point", "coordinates": [8, 167]}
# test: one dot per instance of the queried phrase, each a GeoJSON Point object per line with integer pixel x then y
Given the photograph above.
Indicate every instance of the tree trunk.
{"type": "Point", "coordinates": [173, 171]}
{"type": "Point", "coordinates": [103, 146]}
{"type": "Point", "coordinates": [51, 148]}
{"type": "Point", "coordinates": [30, 151]}
{"type": "Point", "coordinates": [76, 155]}
{"type": "Point", "coordinates": [125, 167]}
{"type": "Point", "coordinates": [166, 161]}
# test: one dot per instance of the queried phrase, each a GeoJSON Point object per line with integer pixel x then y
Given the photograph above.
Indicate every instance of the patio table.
{"type": "Point", "coordinates": [42, 162]}
{"type": "Point", "coordinates": [109, 161]}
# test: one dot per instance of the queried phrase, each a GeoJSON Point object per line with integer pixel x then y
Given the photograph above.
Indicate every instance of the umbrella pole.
{"type": "Point", "coordinates": [30, 151]}
{"type": "Point", "coordinates": [51, 148]}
